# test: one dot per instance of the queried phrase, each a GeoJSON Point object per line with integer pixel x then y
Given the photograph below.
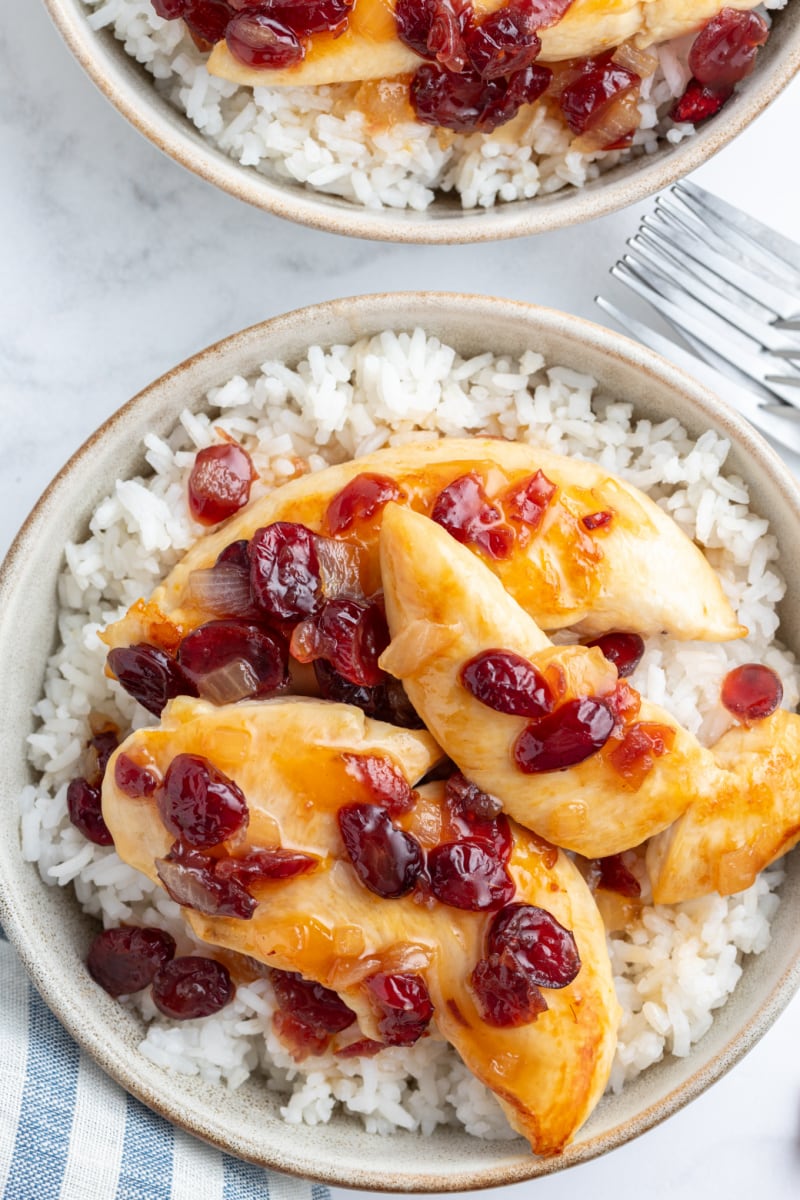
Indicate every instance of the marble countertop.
{"type": "Point", "coordinates": [117, 264]}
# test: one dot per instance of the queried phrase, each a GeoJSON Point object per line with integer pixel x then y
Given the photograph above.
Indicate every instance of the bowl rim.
{"type": "Point", "coordinates": [396, 308]}
{"type": "Point", "coordinates": [171, 132]}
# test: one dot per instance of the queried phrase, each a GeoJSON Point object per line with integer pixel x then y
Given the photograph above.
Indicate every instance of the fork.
{"type": "Point", "coordinates": [730, 287]}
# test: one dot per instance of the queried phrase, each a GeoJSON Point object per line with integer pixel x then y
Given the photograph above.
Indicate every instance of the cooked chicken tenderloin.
{"type": "Point", "coordinates": [299, 765]}
{"type": "Point", "coordinates": [445, 610]}
{"type": "Point", "coordinates": [572, 544]}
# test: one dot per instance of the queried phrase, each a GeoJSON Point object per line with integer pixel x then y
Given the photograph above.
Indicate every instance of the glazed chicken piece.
{"type": "Point", "coordinates": [370, 48]}
{"type": "Point", "coordinates": [722, 842]}
{"type": "Point", "coordinates": [590, 766]}
{"type": "Point", "coordinates": [573, 544]}
{"type": "Point", "coordinates": [298, 766]}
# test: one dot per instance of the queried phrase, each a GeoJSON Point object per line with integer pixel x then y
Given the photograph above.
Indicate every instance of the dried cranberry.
{"type": "Point", "coordinates": [219, 483]}
{"type": "Point", "coordinates": [192, 987]}
{"type": "Point", "coordinates": [85, 812]}
{"type": "Point", "coordinates": [191, 879]}
{"type": "Point", "coordinates": [468, 798]}
{"type": "Point", "coordinates": [132, 779]}
{"type": "Point", "coordinates": [350, 634]}
{"type": "Point", "coordinates": [359, 500]}
{"type": "Point", "coordinates": [207, 19]}
{"type": "Point", "coordinates": [169, 9]}
{"type": "Point", "coordinates": [308, 1013]}
{"type": "Point", "coordinates": [538, 943]}
{"type": "Point", "coordinates": [508, 683]}
{"type": "Point", "coordinates": [103, 744]}
{"type": "Point", "coordinates": [725, 49]}
{"type": "Point", "coordinates": [528, 501]}
{"type": "Point", "coordinates": [601, 80]}
{"type": "Point", "coordinates": [404, 1007]}
{"type": "Point", "coordinates": [465, 103]}
{"type": "Point", "coordinates": [435, 29]}
{"type": "Point", "coordinates": [503, 42]}
{"type": "Point", "coordinates": [597, 520]}
{"type": "Point", "coordinates": [386, 702]}
{"type": "Point", "coordinates": [386, 782]}
{"type": "Point", "coordinates": [565, 737]}
{"type": "Point", "coordinates": [363, 1048]}
{"type": "Point", "coordinates": [284, 571]}
{"type": "Point", "coordinates": [386, 860]}
{"type": "Point", "coordinates": [468, 875]}
{"type": "Point", "coordinates": [233, 660]}
{"type": "Point", "coordinates": [624, 650]}
{"type": "Point", "coordinates": [264, 865]}
{"type": "Point", "coordinates": [615, 877]}
{"type": "Point", "coordinates": [464, 510]}
{"type": "Point", "coordinates": [259, 39]}
{"type": "Point", "coordinates": [199, 804]}
{"type": "Point", "coordinates": [125, 960]}
{"type": "Point", "coordinates": [149, 675]}
{"type": "Point", "coordinates": [312, 16]}
{"type": "Point", "coordinates": [751, 692]}
{"type": "Point", "coordinates": [507, 997]}
{"type": "Point", "coordinates": [699, 102]}
{"type": "Point", "coordinates": [236, 553]}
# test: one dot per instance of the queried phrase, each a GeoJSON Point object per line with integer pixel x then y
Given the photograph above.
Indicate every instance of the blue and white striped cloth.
{"type": "Point", "coordinates": [68, 1132]}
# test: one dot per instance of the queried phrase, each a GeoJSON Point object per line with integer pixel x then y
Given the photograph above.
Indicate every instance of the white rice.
{"type": "Point", "coordinates": [675, 966]}
{"type": "Point", "coordinates": [313, 136]}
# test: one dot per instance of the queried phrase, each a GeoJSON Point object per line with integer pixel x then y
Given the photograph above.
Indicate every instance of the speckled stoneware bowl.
{"type": "Point", "coordinates": [51, 933]}
{"type": "Point", "coordinates": [131, 89]}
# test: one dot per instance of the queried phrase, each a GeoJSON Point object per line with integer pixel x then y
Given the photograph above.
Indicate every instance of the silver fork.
{"type": "Point", "coordinates": [730, 287]}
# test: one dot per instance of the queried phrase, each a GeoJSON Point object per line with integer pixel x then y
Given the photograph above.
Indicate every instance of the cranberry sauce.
{"type": "Point", "coordinates": [751, 692]}
{"type": "Point", "coordinates": [219, 483]}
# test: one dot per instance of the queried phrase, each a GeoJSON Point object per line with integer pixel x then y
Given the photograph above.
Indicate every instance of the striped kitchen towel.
{"type": "Point", "coordinates": [68, 1132]}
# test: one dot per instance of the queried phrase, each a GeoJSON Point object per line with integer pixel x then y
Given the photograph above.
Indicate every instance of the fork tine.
{"type": "Point", "coordinates": [760, 236]}
{"type": "Point", "coordinates": [707, 337]}
{"type": "Point", "coordinates": [780, 431]}
{"type": "Point", "coordinates": [788, 323]}
{"type": "Point", "coordinates": [733, 246]}
{"type": "Point", "coordinates": [685, 307]}
{"type": "Point", "coordinates": [673, 244]}
{"type": "Point", "coordinates": [671, 265]}
{"type": "Point", "coordinates": [724, 271]}
{"type": "Point", "coordinates": [783, 380]}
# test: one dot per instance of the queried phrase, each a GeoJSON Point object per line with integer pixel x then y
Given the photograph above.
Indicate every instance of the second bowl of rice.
{"type": "Point", "coordinates": [325, 156]}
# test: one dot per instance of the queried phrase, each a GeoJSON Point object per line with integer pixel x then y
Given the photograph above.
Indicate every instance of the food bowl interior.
{"type": "Point", "coordinates": [131, 89]}
{"type": "Point", "coordinates": [52, 934]}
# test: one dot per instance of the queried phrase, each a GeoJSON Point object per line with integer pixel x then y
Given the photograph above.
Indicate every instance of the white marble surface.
{"type": "Point", "coordinates": [116, 264]}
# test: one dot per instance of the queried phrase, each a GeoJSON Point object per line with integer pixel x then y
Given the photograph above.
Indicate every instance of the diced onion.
{"type": "Point", "coordinates": [642, 62]}
{"type": "Point", "coordinates": [223, 590]}
{"type": "Point", "coordinates": [339, 568]}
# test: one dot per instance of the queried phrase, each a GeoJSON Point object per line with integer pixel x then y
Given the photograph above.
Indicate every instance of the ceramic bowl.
{"type": "Point", "coordinates": [52, 934]}
{"type": "Point", "coordinates": [131, 89]}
